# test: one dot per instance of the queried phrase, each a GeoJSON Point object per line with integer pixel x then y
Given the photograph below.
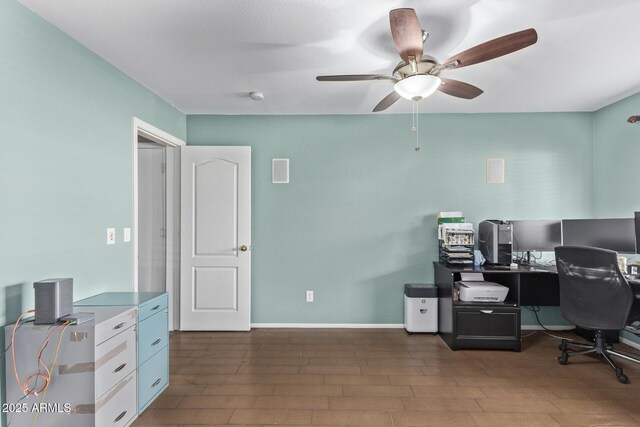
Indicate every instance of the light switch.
{"type": "Point", "coordinates": [111, 236]}
{"type": "Point", "coordinates": [127, 235]}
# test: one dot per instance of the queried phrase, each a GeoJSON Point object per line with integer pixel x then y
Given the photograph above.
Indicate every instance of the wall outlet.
{"type": "Point", "coordinates": [309, 296]}
{"type": "Point", "coordinates": [126, 237]}
{"type": "Point", "coordinates": [111, 236]}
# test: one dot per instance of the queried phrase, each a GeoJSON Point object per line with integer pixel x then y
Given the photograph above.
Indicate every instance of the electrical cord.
{"type": "Point", "coordinates": [547, 331]}
{"type": "Point", "coordinates": [24, 385]}
{"type": "Point", "coordinates": [17, 329]}
{"type": "Point", "coordinates": [53, 364]}
{"type": "Point", "coordinates": [48, 376]}
{"type": "Point", "coordinates": [535, 310]}
{"type": "Point", "coordinates": [48, 371]}
{"type": "Point", "coordinates": [13, 352]}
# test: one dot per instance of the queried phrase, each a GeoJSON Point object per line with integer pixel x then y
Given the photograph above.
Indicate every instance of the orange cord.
{"type": "Point", "coordinates": [47, 378]}
{"type": "Point", "coordinates": [13, 348]}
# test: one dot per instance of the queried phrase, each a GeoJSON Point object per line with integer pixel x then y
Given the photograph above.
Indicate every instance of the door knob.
{"type": "Point", "coordinates": [243, 248]}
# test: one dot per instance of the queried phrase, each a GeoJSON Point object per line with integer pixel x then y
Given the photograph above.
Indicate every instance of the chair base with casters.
{"type": "Point", "coordinates": [601, 349]}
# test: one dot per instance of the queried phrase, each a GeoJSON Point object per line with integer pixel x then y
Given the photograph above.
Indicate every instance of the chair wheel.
{"type": "Point", "coordinates": [564, 359]}
{"type": "Point", "coordinates": [621, 377]}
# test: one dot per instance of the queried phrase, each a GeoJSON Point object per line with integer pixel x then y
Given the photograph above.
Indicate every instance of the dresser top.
{"type": "Point", "coordinates": [120, 298]}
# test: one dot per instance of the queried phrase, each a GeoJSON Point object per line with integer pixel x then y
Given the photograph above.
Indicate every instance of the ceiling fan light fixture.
{"type": "Point", "coordinates": [417, 86]}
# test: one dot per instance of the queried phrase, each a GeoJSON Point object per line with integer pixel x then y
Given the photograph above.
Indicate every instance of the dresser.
{"type": "Point", "coordinates": [152, 342]}
{"type": "Point", "coordinates": [153, 338]}
{"type": "Point", "coordinates": [93, 382]}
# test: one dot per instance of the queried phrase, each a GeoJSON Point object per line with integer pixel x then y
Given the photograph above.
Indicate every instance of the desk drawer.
{"type": "Point", "coordinates": [487, 323]}
{"type": "Point", "coordinates": [153, 376]}
{"type": "Point", "coordinates": [115, 325]}
{"type": "Point", "coordinates": [153, 335]}
{"type": "Point", "coordinates": [115, 359]}
{"type": "Point", "coordinates": [152, 307]}
{"type": "Point", "coordinates": [118, 406]}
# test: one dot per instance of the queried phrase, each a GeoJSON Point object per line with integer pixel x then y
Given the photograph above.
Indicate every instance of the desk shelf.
{"type": "Point", "coordinates": [527, 286]}
{"type": "Point", "coordinates": [464, 324]}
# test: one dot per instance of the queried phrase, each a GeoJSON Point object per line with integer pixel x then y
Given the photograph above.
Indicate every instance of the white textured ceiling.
{"type": "Point", "coordinates": [205, 56]}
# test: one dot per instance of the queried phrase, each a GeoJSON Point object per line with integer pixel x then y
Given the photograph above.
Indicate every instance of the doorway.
{"type": "Point", "coordinates": [156, 214]}
{"type": "Point", "coordinates": [152, 248]}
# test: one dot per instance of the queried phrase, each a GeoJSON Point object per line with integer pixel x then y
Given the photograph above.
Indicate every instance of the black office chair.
{"type": "Point", "coordinates": [594, 294]}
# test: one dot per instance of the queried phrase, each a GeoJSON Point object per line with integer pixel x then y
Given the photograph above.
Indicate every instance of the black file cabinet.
{"type": "Point", "coordinates": [477, 325]}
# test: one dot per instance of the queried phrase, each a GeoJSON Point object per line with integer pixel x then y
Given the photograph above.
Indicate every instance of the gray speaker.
{"type": "Point", "coordinates": [54, 299]}
{"type": "Point", "coordinates": [280, 171]}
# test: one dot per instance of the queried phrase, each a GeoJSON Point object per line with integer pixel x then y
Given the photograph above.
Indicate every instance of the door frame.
{"type": "Point", "coordinates": [172, 200]}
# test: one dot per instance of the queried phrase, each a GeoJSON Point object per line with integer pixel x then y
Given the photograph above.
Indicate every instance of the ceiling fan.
{"type": "Point", "coordinates": [418, 75]}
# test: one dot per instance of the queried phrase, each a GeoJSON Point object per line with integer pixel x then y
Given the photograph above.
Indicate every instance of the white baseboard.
{"type": "Point", "coordinates": [630, 343]}
{"type": "Point", "coordinates": [330, 325]}
{"type": "Point", "coordinates": [383, 326]}
{"type": "Point", "coordinates": [550, 327]}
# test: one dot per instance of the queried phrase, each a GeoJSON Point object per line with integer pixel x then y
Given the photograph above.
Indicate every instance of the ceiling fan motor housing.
{"type": "Point", "coordinates": [426, 65]}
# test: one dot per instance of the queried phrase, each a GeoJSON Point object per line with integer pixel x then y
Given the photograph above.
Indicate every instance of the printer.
{"type": "Point", "coordinates": [480, 291]}
{"type": "Point", "coordinates": [495, 239]}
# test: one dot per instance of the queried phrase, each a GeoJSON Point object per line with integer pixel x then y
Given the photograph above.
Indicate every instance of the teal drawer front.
{"type": "Point", "coordinates": [152, 307]}
{"type": "Point", "coordinates": [153, 377]}
{"type": "Point", "coordinates": [153, 335]}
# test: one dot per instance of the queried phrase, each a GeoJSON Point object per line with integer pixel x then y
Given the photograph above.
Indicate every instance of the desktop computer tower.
{"type": "Point", "coordinates": [495, 241]}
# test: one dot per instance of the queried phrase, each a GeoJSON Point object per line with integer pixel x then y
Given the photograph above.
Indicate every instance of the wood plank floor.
{"type": "Point", "coordinates": [384, 377]}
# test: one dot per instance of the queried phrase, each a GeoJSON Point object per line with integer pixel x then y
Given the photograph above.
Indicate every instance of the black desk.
{"type": "Point", "coordinates": [491, 325]}
{"type": "Point", "coordinates": [497, 325]}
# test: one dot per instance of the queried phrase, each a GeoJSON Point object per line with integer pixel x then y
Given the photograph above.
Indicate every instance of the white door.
{"type": "Point", "coordinates": [151, 218]}
{"type": "Point", "coordinates": [215, 285]}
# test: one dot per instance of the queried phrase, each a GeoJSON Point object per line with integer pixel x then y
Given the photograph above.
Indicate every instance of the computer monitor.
{"type": "Point", "coordinates": [616, 234]}
{"type": "Point", "coordinates": [536, 235]}
{"type": "Point", "coordinates": [637, 225]}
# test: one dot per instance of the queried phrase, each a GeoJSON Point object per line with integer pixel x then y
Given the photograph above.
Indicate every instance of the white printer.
{"type": "Point", "coordinates": [481, 291]}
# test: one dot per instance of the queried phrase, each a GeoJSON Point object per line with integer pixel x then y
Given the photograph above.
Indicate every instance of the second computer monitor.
{"type": "Point", "coordinates": [616, 234]}
{"type": "Point", "coordinates": [536, 235]}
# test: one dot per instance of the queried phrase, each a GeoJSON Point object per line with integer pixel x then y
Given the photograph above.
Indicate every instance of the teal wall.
{"type": "Point", "coordinates": [65, 160]}
{"type": "Point", "coordinates": [617, 159]}
{"type": "Point", "coordinates": [617, 163]}
{"type": "Point", "coordinates": [358, 221]}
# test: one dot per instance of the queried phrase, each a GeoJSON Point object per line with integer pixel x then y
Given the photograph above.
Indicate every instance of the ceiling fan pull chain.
{"type": "Point", "coordinates": [413, 115]}
{"type": "Point", "coordinates": [417, 125]}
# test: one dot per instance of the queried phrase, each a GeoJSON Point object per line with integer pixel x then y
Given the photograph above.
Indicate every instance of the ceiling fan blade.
{"type": "Point", "coordinates": [494, 48]}
{"type": "Point", "coordinates": [354, 77]}
{"type": "Point", "coordinates": [459, 89]}
{"type": "Point", "coordinates": [387, 102]}
{"type": "Point", "coordinates": [406, 33]}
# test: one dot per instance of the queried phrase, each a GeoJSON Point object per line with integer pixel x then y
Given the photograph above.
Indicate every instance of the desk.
{"type": "Point", "coordinates": [491, 325]}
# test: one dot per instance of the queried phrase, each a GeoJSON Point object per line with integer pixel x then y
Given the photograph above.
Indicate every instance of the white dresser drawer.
{"type": "Point", "coordinates": [115, 325]}
{"type": "Point", "coordinates": [118, 406]}
{"type": "Point", "coordinates": [115, 359]}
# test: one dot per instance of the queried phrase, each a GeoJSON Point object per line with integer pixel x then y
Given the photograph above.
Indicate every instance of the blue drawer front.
{"type": "Point", "coordinates": [152, 307]}
{"type": "Point", "coordinates": [153, 335]}
{"type": "Point", "coordinates": [153, 377]}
